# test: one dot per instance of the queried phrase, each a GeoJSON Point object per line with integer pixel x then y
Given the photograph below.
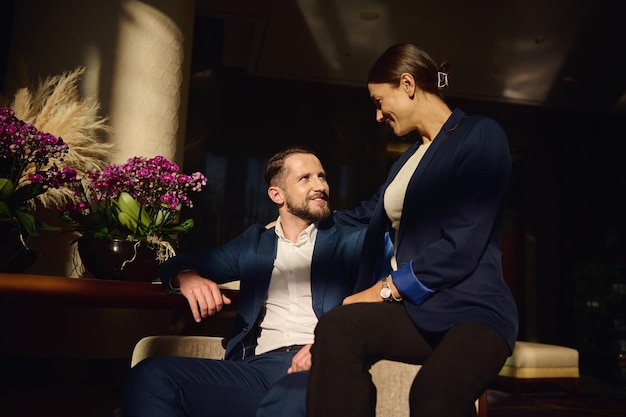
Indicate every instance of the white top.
{"type": "Point", "coordinates": [289, 317]}
{"type": "Point", "coordinates": [396, 191]}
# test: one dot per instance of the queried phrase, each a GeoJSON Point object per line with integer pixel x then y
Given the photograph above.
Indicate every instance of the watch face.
{"type": "Point", "coordinates": [385, 293]}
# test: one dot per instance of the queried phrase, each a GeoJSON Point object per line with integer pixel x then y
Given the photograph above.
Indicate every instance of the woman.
{"type": "Point", "coordinates": [445, 304]}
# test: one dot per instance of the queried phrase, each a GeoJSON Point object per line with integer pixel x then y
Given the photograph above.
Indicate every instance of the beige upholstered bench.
{"type": "Point", "coordinates": [540, 363]}
{"type": "Point", "coordinates": [392, 379]}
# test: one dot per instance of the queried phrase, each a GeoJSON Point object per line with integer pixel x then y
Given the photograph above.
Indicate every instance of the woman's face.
{"type": "Point", "coordinates": [393, 106]}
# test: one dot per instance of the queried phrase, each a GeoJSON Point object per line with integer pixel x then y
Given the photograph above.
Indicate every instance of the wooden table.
{"type": "Point", "coordinates": [91, 292]}
{"type": "Point", "coordinates": [49, 315]}
{"type": "Point", "coordinates": [65, 340]}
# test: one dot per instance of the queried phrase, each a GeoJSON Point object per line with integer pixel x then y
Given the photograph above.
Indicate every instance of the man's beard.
{"type": "Point", "coordinates": [305, 213]}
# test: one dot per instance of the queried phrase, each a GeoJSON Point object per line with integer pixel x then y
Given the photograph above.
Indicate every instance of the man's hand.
{"type": "Point", "coordinates": [203, 295]}
{"type": "Point", "coordinates": [301, 361]}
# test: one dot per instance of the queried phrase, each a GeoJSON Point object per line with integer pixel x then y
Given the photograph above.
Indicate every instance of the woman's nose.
{"type": "Point", "coordinates": [379, 116]}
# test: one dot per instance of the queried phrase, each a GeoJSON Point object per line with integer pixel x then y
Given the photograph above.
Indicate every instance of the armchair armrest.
{"type": "Point", "coordinates": [190, 346]}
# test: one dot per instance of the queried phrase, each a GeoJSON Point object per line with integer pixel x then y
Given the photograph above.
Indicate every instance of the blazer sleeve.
{"type": "Point", "coordinates": [220, 264]}
{"type": "Point", "coordinates": [359, 216]}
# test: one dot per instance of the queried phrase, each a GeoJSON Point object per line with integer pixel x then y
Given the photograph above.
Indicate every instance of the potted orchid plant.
{"type": "Point", "coordinates": [135, 205]}
{"type": "Point", "coordinates": [28, 169]}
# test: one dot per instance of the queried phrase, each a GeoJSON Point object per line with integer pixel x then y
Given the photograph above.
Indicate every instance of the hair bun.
{"type": "Point", "coordinates": [445, 67]}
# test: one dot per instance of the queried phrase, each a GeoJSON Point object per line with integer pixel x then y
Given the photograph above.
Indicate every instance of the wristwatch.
{"type": "Point", "coordinates": [385, 292]}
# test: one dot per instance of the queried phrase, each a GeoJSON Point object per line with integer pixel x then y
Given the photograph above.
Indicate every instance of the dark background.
{"type": "Point", "coordinates": [564, 244]}
{"type": "Point", "coordinates": [564, 231]}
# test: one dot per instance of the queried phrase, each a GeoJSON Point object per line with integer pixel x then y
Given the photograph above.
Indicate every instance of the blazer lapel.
{"type": "Point", "coordinates": [371, 261]}
{"type": "Point", "coordinates": [264, 264]}
{"type": "Point", "coordinates": [446, 130]}
{"type": "Point", "coordinates": [321, 266]}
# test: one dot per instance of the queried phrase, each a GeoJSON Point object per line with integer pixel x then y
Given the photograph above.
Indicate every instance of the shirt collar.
{"type": "Point", "coordinates": [307, 235]}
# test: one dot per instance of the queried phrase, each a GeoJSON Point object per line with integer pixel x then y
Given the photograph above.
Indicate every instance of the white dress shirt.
{"type": "Point", "coordinates": [289, 318]}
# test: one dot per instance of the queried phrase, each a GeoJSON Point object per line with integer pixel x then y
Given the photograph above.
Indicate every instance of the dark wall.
{"type": "Point", "coordinates": [6, 25]}
{"type": "Point", "coordinates": [242, 121]}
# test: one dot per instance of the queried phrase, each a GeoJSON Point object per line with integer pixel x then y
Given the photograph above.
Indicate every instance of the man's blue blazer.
{"type": "Point", "coordinates": [250, 259]}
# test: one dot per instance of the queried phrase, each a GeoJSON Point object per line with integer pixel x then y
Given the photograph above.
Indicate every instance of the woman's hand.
{"type": "Point", "coordinates": [203, 295]}
{"type": "Point", "coordinates": [370, 295]}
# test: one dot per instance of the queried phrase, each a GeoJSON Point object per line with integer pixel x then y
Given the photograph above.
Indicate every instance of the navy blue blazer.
{"type": "Point", "coordinates": [449, 242]}
{"type": "Point", "coordinates": [250, 259]}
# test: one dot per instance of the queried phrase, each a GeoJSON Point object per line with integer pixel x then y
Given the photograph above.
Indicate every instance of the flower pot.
{"type": "Point", "coordinates": [118, 259]}
{"type": "Point", "coordinates": [14, 256]}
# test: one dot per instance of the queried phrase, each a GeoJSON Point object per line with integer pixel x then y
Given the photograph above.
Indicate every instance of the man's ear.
{"type": "Point", "coordinates": [275, 194]}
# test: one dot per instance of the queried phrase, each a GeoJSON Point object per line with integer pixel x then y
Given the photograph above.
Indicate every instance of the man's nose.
{"type": "Point", "coordinates": [320, 184]}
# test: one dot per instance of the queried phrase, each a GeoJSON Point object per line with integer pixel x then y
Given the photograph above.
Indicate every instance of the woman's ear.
{"type": "Point", "coordinates": [275, 194]}
{"type": "Point", "coordinates": [407, 84]}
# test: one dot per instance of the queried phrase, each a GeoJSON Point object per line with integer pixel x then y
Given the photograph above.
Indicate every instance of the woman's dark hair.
{"type": "Point", "coordinates": [407, 58]}
{"type": "Point", "coordinates": [275, 166]}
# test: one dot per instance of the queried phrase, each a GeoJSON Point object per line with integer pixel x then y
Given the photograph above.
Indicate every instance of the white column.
{"type": "Point", "coordinates": [150, 78]}
{"type": "Point", "coordinates": [137, 57]}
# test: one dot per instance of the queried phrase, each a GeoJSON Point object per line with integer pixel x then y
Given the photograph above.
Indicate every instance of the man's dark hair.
{"type": "Point", "coordinates": [276, 165]}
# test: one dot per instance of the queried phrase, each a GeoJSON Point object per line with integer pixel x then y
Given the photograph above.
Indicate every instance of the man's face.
{"type": "Point", "coordinates": [305, 188]}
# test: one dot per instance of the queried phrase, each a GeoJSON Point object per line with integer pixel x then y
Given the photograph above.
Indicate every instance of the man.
{"type": "Point", "coordinates": [290, 275]}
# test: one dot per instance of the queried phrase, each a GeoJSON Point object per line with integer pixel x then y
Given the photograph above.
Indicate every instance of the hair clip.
{"type": "Point", "coordinates": [443, 79]}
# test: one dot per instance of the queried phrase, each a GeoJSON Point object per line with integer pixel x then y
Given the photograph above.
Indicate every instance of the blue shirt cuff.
{"type": "Point", "coordinates": [409, 286]}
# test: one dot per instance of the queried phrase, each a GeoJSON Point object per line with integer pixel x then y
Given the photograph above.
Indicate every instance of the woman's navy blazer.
{"type": "Point", "coordinates": [449, 242]}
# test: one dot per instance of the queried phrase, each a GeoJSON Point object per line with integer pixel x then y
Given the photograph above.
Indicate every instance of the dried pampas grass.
{"type": "Point", "coordinates": [54, 106]}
